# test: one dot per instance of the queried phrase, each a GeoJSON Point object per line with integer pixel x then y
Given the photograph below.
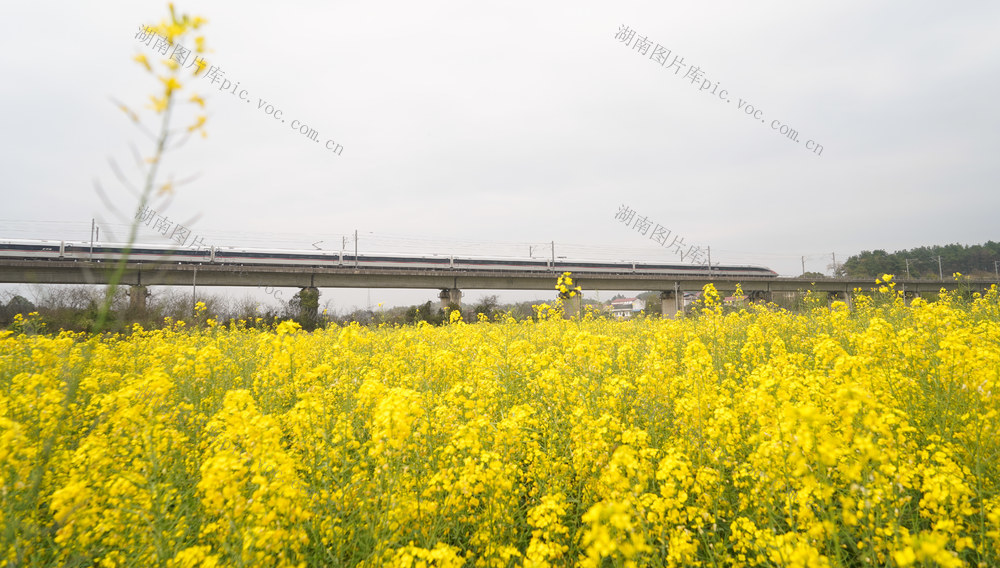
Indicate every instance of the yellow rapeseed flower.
{"type": "Point", "coordinates": [141, 58]}
{"type": "Point", "coordinates": [756, 438]}
{"type": "Point", "coordinates": [198, 125]}
{"type": "Point", "coordinates": [159, 103]}
{"type": "Point", "coordinates": [170, 84]}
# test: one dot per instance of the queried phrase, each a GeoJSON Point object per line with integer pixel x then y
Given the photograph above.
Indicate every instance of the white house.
{"type": "Point", "coordinates": [624, 308]}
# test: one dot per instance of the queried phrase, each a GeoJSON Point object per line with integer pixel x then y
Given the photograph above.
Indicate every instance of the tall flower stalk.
{"type": "Point", "coordinates": [170, 71]}
{"type": "Point", "coordinates": [25, 520]}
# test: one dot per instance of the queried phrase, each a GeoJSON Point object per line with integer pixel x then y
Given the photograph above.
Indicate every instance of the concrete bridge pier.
{"type": "Point", "coordinates": [572, 306]}
{"type": "Point", "coordinates": [671, 302]}
{"type": "Point", "coordinates": [450, 298]}
{"type": "Point", "coordinates": [137, 295]}
{"type": "Point", "coordinates": [842, 297]}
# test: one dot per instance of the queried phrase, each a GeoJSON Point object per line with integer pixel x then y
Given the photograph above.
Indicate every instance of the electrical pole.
{"type": "Point", "coordinates": [803, 265]}
{"type": "Point", "coordinates": [356, 252]}
{"type": "Point", "coordinates": [709, 259]}
{"type": "Point", "coordinates": [553, 255]}
{"type": "Point", "coordinates": [940, 273]}
{"type": "Point", "coordinates": [834, 255]}
{"type": "Point", "coordinates": [91, 239]}
{"type": "Point", "coordinates": [996, 268]}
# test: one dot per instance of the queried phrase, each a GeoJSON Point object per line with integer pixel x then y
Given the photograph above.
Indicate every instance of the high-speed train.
{"type": "Point", "coordinates": [85, 251]}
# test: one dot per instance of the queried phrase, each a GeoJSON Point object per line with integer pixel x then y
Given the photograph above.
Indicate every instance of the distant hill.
{"type": "Point", "coordinates": [972, 260]}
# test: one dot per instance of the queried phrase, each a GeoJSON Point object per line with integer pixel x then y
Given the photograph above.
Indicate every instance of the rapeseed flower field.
{"type": "Point", "coordinates": [834, 437]}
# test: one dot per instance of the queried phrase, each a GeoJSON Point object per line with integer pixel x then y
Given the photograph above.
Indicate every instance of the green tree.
{"type": "Point", "coordinates": [653, 305]}
{"type": "Point", "coordinates": [424, 312]}
{"type": "Point", "coordinates": [16, 305]}
{"type": "Point", "coordinates": [303, 307]}
{"type": "Point", "coordinates": [926, 261]}
{"type": "Point", "coordinates": [487, 305]}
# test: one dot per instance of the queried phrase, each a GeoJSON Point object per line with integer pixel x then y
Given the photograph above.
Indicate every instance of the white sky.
{"type": "Point", "coordinates": [492, 127]}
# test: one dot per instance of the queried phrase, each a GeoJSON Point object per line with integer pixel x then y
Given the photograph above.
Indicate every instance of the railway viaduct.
{"type": "Point", "coordinates": [139, 275]}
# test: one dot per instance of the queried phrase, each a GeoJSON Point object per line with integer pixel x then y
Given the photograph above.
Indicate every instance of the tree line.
{"type": "Point", "coordinates": [925, 262]}
{"type": "Point", "coordinates": [75, 308]}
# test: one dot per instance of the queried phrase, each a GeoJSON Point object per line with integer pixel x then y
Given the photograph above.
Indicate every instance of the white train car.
{"type": "Point", "coordinates": [108, 252]}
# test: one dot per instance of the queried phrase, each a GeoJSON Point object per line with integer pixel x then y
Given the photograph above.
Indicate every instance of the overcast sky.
{"type": "Point", "coordinates": [497, 127]}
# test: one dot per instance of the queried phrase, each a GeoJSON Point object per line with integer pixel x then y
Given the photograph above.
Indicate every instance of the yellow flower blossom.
{"type": "Point", "coordinates": [198, 125]}
{"type": "Point", "coordinates": [170, 84]}
{"type": "Point", "coordinates": [159, 103]}
{"type": "Point", "coordinates": [145, 62]}
{"type": "Point", "coordinates": [827, 437]}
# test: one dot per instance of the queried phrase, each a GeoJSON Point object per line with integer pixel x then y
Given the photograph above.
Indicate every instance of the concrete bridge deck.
{"type": "Point", "coordinates": [155, 274]}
